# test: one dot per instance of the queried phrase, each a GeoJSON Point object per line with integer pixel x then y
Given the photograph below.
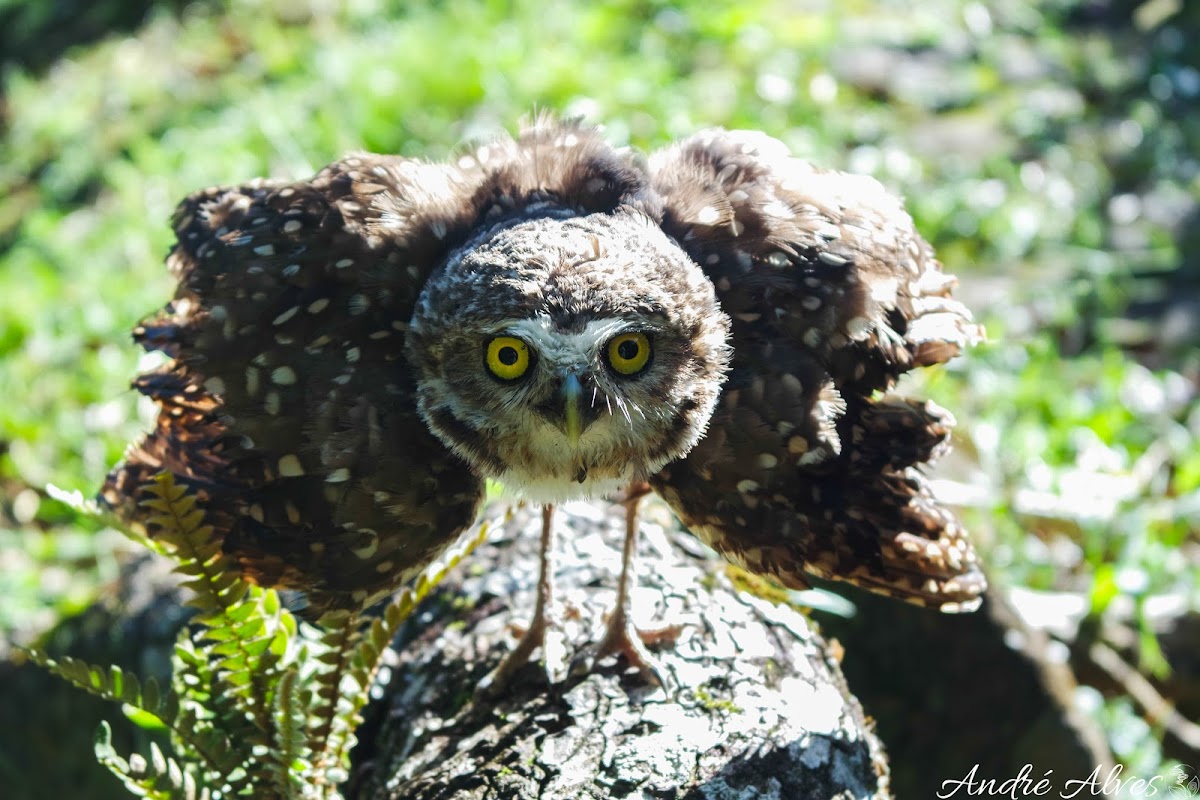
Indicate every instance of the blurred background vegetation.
{"type": "Point", "coordinates": [1049, 151]}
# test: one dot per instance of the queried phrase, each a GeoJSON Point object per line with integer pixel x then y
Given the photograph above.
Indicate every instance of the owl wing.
{"type": "Point", "coordinates": [288, 405]}
{"type": "Point", "coordinates": [808, 466]}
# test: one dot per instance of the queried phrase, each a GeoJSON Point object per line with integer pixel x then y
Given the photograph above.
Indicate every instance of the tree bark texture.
{"type": "Point", "coordinates": [756, 707]}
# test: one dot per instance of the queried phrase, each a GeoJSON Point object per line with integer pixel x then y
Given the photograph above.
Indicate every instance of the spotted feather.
{"type": "Point", "coordinates": [327, 398]}
{"type": "Point", "coordinates": [285, 407]}
{"type": "Point", "coordinates": [809, 467]}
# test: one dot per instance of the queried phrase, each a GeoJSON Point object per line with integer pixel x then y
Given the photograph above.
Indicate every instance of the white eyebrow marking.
{"type": "Point", "coordinates": [559, 347]}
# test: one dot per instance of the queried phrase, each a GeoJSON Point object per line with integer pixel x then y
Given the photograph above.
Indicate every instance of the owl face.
{"type": "Point", "coordinates": [568, 356]}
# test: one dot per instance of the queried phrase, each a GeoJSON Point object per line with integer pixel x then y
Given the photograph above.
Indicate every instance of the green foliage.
{"type": "Point", "coordinates": [260, 704]}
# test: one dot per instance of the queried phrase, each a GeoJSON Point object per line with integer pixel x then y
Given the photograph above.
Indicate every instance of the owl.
{"type": "Point", "coordinates": [353, 356]}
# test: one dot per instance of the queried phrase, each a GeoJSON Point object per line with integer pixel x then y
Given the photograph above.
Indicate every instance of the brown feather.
{"type": "Point", "coordinates": [309, 316]}
{"type": "Point", "coordinates": [833, 296]}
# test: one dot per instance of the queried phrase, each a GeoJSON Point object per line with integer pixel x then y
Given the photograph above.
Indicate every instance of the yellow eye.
{"type": "Point", "coordinates": [507, 357]}
{"type": "Point", "coordinates": [628, 353]}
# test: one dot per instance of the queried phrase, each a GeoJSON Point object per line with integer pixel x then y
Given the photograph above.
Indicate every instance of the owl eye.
{"type": "Point", "coordinates": [507, 357]}
{"type": "Point", "coordinates": [628, 353]}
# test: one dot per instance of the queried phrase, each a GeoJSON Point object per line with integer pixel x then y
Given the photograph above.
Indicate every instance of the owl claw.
{"type": "Point", "coordinates": [622, 637]}
{"type": "Point", "coordinates": [496, 681]}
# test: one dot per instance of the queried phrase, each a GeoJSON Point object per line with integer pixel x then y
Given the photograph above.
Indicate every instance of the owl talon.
{"type": "Point", "coordinates": [623, 638]}
{"type": "Point", "coordinates": [496, 681]}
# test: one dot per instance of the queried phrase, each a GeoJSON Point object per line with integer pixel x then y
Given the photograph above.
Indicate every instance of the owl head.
{"type": "Point", "coordinates": [569, 355]}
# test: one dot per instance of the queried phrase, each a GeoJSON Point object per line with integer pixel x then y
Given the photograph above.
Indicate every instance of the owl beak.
{"type": "Point", "coordinates": [572, 396]}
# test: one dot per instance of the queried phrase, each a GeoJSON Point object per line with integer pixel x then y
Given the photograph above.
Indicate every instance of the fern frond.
{"type": "Point", "coordinates": [254, 709]}
{"type": "Point", "coordinates": [115, 684]}
{"type": "Point", "coordinates": [159, 778]}
{"type": "Point", "coordinates": [290, 767]}
{"type": "Point", "coordinates": [179, 527]}
{"type": "Point", "coordinates": [110, 683]}
{"type": "Point", "coordinates": [248, 648]}
{"type": "Point", "coordinates": [354, 655]}
{"type": "Point", "coordinates": [208, 745]}
{"type": "Point", "coordinates": [244, 631]}
{"type": "Point", "coordinates": [341, 631]}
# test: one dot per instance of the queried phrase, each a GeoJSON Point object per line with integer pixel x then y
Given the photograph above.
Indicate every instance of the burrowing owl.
{"type": "Point", "coordinates": [353, 355]}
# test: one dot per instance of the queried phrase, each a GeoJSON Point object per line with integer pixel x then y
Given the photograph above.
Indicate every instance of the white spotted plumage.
{"type": "Point", "coordinates": [329, 402]}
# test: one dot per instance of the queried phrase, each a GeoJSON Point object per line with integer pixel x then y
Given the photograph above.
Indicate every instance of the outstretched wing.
{"type": "Point", "coordinates": [808, 465]}
{"type": "Point", "coordinates": [288, 405]}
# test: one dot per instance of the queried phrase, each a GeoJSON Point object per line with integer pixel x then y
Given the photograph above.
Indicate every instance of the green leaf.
{"type": "Point", "coordinates": [142, 718]}
{"type": "Point", "coordinates": [1104, 588]}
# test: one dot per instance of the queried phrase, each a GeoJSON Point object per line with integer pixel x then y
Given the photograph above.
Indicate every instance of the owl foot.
{"type": "Point", "coordinates": [496, 681]}
{"type": "Point", "coordinates": [623, 638]}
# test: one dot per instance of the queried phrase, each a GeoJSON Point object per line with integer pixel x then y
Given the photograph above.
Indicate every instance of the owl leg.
{"type": "Point", "coordinates": [535, 635]}
{"type": "Point", "coordinates": [621, 637]}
